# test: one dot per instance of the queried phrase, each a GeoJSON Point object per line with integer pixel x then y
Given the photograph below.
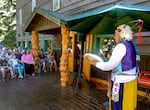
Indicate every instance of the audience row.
{"type": "Point", "coordinates": [22, 62]}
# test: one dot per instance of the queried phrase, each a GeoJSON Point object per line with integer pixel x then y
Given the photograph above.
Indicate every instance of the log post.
{"type": "Point", "coordinates": [64, 71]}
{"type": "Point", "coordinates": [35, 48]}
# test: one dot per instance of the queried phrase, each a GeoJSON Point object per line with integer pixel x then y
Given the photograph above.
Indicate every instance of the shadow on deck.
{"type": "Point", "coordinates": [45, 93]}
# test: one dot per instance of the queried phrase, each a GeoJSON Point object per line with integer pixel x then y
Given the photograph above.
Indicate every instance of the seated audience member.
{"type": "Point", "coordinates": [18, 54]}
{"type": "Point", "coordinates": [16, 64]}
{"type": "Point", "coordinates": [28, 60]}
{"type": "Point", "coordinates": [4, 67]}
{"type": "Point", "coordinates": [51, 60]}
{"type": "Point", "coordinates": [42, 60]}
{"type": "Point", "coordinates": [9, 52]}
{"type": "Point", "coordinates": [4, 52]}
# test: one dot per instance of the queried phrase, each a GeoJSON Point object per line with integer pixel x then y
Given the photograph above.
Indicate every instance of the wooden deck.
{"type": "Point", "coordinates": [45, 93]}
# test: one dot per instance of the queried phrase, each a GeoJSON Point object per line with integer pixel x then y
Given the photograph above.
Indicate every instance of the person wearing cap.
{"type": "Point", "coordinates": [122, 63]}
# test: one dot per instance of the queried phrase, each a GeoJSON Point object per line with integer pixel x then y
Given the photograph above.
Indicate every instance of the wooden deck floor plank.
{"type": "Point", "coordinates": [45, 93]}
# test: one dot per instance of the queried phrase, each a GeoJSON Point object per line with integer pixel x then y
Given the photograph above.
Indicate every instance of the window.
{"type": "Point", "coordinates": [103, 45]}
{"type": "Point", "coordinates": [70, 44]}
{"type": "Point", "coordinates": [106, 46]}
{"type": "Point", "coordinates": [56, 5]}
{"type": "Point", "coordinates": [23, 44]}
{"type": "Point", "coordinates": [29, 44]}
{"type": "Point", "coordinates": [47, 45]}
{"type": "Point", "coordinates": [33, 4]}
{"type": "Point", "coordinates": [19, 44]}
{"type": "Point", "coordinates": [87, 48]}
{"type": "Point", "coordinates": [20, 16]}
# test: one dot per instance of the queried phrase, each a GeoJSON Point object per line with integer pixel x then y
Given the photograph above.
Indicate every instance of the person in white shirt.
{"type": "Point", "coordinates": [16, 65]}
{"type": "Point", "coordinates": [124, 75]}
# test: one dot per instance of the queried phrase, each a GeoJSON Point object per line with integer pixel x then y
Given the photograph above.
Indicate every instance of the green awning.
{"type": "Point", "coordinates": [105, 19]}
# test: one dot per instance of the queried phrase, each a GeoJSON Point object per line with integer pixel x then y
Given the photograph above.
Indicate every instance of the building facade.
{"type": "Point", "coordinates": [46, 16]}
{"type": "Point", "coordinates": [69, 7]}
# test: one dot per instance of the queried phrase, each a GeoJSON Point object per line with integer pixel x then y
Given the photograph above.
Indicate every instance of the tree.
{"type": "Point", "coordinates": [8, 22]}
{"type": "Point", "coordinates": [10, 39]}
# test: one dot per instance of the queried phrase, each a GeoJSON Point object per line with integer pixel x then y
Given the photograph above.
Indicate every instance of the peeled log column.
{"type": "Point", "coordinates": [64, 72]}
{"type": "Point", "coordinates": [35, 48]}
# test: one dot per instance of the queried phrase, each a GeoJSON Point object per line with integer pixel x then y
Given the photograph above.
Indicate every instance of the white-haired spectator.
{"type": "Point", "coordinates": [124, 75]}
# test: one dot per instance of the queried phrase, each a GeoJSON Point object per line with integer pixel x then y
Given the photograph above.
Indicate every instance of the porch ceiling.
{"type": "Point", "coordinates": [44, 21]}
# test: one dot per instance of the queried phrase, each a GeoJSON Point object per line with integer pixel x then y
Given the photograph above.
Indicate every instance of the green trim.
{"type": "Point", "coordinates": [23, 44]}
{"type": "Point", "coordinates": [96, 41]}
{"type": "Point", "coordinates": [29, 44]}
{"type": "Point", "coordinates": [45, 45]}
{"type": "Point", "coordinates": [109, 8]}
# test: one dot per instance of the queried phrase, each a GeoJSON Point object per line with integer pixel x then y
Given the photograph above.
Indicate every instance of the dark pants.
{"type": "Point", "coordinates": [29, 68]}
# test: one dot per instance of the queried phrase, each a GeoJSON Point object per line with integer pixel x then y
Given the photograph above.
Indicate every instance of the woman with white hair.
{"type": "Point", "coordinates": [124, 75]}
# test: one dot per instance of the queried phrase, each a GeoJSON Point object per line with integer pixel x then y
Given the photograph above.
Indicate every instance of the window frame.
{"type": "Point", "coordinates": [56, 5]}
{"type": "Point", "coordinates": [33, 4]}
{"type": "Point", "coordinates": [20, 16]}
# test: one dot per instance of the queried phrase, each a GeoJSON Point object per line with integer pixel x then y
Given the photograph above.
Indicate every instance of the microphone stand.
{"type": "Point", "coordinates": [80, 67]}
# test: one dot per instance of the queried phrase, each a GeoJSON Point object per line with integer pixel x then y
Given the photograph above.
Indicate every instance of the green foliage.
{"type": "Point", "coordinates": [10, 39]}
{"type": "Point", "coordinates": [8, 21]}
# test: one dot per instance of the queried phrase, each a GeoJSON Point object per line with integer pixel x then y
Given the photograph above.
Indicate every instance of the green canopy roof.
{"type": "Point", "coordinates": [105, 19]}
